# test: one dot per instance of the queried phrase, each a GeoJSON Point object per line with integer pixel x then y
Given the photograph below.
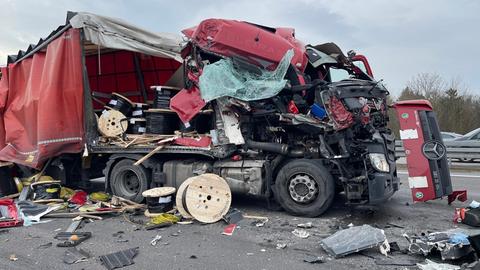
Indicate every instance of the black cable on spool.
{"type": "Point", "coordinates": [162, 99]}
{"type": "Point", "coordinates": [121, 104]}
{"type": "Point", "coordinates": [161, 122]}
{"type": "Point", "coordinates": [139, 110]}
{"type": "Point", "coordinates": [137, 126]}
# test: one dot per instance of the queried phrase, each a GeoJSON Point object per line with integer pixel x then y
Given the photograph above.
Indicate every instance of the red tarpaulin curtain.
{"type": "Point", "coordinates": [41, 104]}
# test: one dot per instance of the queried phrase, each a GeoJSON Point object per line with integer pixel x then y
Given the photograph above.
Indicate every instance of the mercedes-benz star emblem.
{"type": "Point", "coordinates": [434, 150]}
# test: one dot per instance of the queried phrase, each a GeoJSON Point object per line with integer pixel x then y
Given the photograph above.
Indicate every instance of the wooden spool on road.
{"type": "Point", "coordinates": [206, 198]}
{"type": "Point", "coordinates": [112, 123]}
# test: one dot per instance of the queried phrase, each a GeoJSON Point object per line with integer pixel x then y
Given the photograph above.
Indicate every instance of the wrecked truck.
{"type": "Point", "coordinates": [292, 123]}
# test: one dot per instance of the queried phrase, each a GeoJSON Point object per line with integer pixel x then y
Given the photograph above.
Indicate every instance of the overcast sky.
{"type": "Point", "coordinates": [401, 38]}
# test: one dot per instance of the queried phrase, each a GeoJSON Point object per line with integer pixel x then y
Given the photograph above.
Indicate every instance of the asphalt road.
{"type": "Point", "coordinates": [199, 246]}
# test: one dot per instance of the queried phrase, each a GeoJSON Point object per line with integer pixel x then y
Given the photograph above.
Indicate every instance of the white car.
{"type": "Point", "coordinates": [450, 136]}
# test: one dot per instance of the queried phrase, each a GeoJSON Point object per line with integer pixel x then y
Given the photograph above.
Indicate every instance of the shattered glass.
{"type": "Point", "coordinates": [352, 240]}
{"type": "Point", "coordinates": [223, 78]}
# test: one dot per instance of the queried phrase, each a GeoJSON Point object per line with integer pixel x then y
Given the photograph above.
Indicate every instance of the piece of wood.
{"type": "Point", "coordinates": [91, 216]}
{"type": "Point", "coordinates": [131, 142]}
{"type": "Point", "coordinates": [5, 164]}
{"type": "Point", "coordinates": [158, 148]}
{"type": "Point", "coordinates": [49, 201]}
{"type": "Point", "coordinates": [11, 196]}
{"type": "Point", "coordinates": [112, 123]}
{"type": "Point", "coordinates": [208, 198]}
{"type": "Point", "coordinates": [76, 214]}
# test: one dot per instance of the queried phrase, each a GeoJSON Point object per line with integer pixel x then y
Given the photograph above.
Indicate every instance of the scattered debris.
{"type": "Point", "coordinates": [354, 239]}
{"type": "Point", "coordinates": [161, 220]}
{"type": "Point", "coordinates": [395, 262]}
{"type": "Point", "coordinates": [395, 225]}
{"type": "Point", "coordinates": [451, 245]}
{"type": "Point", "coordinates": [45, 246]}
{"type": "Point", "coordinates": [307, 225]}
{"type": "Point", "coordinates": [71, 239]}
{"type": "Point", "coordinates": [474, 204]}
{"type": "Point", "coordinates": [73, 255]}
{"type": "Point", "coordinates": [155, 240]}
{"type": "Point", "coordinates": [13, 258]}
{"type": "Point", "coordinates": [460, 195]}
{"type": "Point", "coordinates": [313, 259]}
{"type": "Point", "coordinates": [301, 233]}
{"type": "Point", "coordinates": [229, 229]}
{"type": "Point", "coordinates": [119, 259]}
{"type": "Point", "coordinates": [233, 216]}
{"type": "Point", "coordinates": [431, 265]}
{"type": "Point", "coordinates": [281, 245]}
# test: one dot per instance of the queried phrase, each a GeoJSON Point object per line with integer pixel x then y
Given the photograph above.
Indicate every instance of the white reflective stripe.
{"type": "Point", "coordinates": [142, 129]}
{"type": "Point", "coordinates": [59, 140]}
{"type": "Point", "coordinates": [408, 134]}
{"type": "Point", "coordinates": [418, 182]}
{"type": "Point", "coordinates": [23, 153]}
{"type": "Point", "coordinates": [112, 102]}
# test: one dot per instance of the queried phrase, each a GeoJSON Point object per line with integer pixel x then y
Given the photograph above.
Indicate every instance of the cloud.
{"type": "Point", "coordinates": [401, 38]}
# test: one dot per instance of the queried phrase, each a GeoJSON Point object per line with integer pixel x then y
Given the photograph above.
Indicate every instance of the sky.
{"type": "Point", "coordinates": [401, 38]}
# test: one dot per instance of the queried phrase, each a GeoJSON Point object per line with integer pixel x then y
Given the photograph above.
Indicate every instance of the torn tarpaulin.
{"type": "Point", "coordinates": [187, 103]}
{"type": "Point", "coordinates": [226, 79]}
{"type": "Point", "coordinates": [119, 259]}
{"type": "Point", "coordinates": [354, 239]}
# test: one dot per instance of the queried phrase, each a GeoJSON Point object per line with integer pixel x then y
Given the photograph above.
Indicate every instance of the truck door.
{"type": "Point", "coordinates": [428, 171]}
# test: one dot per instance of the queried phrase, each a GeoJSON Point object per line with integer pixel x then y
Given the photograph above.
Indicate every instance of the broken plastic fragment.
{"type": "Point", "coordinates": [155, 240]}
{"type": "Point", "coordinates": [229, 229]}
{"type": "Point", "coordinates": [300, 233]}
{"type": "Point", "coordinates": [431, 265]}
{"type": "Point", "coordinates": [352, 240]}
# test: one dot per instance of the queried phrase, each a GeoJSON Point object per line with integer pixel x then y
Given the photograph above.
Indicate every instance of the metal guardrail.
{"type": "Point", "coordinates": [455, 149]}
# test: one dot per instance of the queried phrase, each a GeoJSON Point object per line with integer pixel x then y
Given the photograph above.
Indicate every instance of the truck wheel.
{"type": "Point", "coordinates": [304, 187]}
{"type": "Point", "coordinates": [129, 181]}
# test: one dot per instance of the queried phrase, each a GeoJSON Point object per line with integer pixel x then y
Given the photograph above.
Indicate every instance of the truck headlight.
{"type": "Point", "coordinates": [379, 162]}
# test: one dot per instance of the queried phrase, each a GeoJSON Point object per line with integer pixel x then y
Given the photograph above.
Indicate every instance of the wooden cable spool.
{"type": "Point", "coordinates": [179, 198]}
{"type": "Point", "coordinates": [206, 198]}
{"type": "Point", "coordinates": [112, 123]}
{"type": "Point", "coordinates": [121, 104]}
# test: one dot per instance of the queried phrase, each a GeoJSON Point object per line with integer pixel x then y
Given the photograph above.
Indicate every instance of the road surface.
{"type": "Point", "coordinates": [250, 247]}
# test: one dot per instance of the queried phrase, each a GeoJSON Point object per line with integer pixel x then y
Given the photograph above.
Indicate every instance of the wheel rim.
{"type": "Point", "coordinates": [302, 188]}
{"type": "Point", "coordinates": [129, 183]}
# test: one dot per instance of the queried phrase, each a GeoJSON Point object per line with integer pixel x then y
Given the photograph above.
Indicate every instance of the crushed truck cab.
{"type": "Point", "coordinates": [275, 118]}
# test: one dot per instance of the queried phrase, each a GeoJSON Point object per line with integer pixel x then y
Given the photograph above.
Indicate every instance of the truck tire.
{"type": "Point", "coordinates": [129, 181]}
{"type": "Point", "coordinates": [304, 187]}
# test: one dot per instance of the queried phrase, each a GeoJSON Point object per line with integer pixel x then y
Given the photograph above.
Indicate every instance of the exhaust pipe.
{"type": "Point", "coordinates": [282, 149]}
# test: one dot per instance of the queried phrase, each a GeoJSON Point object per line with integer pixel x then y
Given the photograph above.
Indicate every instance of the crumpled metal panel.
{"type": "Point", "coordinates": [352, 240]}
{"type": "Point", "coordinates": [119, 259]}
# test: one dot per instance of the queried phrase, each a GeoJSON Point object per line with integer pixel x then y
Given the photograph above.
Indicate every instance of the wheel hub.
{"type": "Point", "coordinates": [303, 188]}
{"type": "Point", "coordinates": [130, 183]}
